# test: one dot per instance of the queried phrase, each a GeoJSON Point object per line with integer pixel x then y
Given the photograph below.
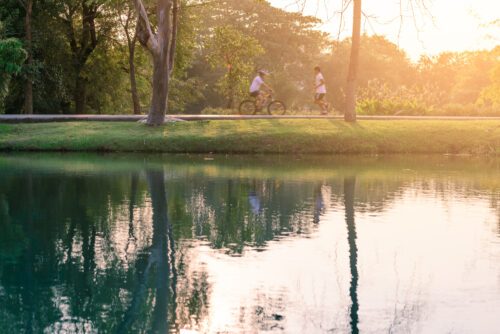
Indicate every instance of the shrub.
{"type": "Point", "coordinates": [455, 109]}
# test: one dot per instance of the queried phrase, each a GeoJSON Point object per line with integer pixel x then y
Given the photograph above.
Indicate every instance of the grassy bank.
{"type": "Point", "coordinates": [259, 136]}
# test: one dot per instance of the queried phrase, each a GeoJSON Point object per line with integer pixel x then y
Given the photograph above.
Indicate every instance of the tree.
{"type": "Point", "coordinates": [231, 49]}
{"type": "Point", "coordinates": [491, 94]}
{"type": "Point", "coordinates": [350, 111]}
{"type": "Point", "coordinates": [379, 60]}
{"type": "Point", "coordinates": [475, 75]}
{"type": "Point", "coordinates": [161, 45]}
{"type": "Point", "coordinates": [291, 42]}
{"type": "Point", "coordinates": [86, 26]}
{"type": "Point", "coordinates": [128, 25]}
{"type": "Point", "coordinates": [28, 94]}
{"type": "Point", "coordinates": [50, 72]}
{"type": "Point", "coordinates": [350, 105]}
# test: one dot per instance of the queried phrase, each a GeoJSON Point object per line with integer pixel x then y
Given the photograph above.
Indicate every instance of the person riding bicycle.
{"type": "Point", "coordinates": [255, 91]}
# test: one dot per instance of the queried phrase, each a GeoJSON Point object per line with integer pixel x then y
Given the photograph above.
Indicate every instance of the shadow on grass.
{"type": "Point", "coordinates": [341, 124]}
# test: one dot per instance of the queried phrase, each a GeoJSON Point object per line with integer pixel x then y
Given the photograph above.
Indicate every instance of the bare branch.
{"type": "Point", "coordinates": [345, 5]}
{"type": "Point", "coordinates": [368, 19]}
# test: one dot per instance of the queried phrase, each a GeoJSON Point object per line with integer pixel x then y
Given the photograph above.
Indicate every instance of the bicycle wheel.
{"type": "Point", "coordinates": [247, 107]}
{"type": "Point", "coordinates": [276, 108]}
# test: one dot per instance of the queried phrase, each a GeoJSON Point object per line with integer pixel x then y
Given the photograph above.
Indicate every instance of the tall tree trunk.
{"type": "Point", "coordinates": [162, 47]}
{"type": "Point", "coordinates": [231, 93]}
{"type": "Point", "coordinates": [349, 186]}
{"type": "Point", "coordinates": [161, 80]}
{"type": "Point", "coordinates": [133, 85]}
{"type": "Point", "coordinates": [350, 112]}
{"type": "Point", "coordinates": [28, 94]}
{"type": "Point", "coordinates": [161, 65]}
{"type": "Point", "coordinates": [80, 95]}
{"type": "Point", "coordinates": [82, 47]}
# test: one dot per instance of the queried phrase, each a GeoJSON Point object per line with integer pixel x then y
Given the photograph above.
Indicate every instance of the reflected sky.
{"type": "Point", "coordinates": [145, 244]}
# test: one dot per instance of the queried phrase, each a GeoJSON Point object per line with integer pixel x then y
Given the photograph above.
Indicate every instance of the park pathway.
{"type": "Point", "coordinates": [135, 118]}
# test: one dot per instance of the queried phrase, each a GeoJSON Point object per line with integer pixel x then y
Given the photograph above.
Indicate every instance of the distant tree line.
{"type": "Point", "coordinates": [83, 56]}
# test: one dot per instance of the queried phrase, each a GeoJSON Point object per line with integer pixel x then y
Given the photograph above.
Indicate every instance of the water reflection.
{"type": "Point", "coordinates": [158, 248]}
{"type": "Point", "coordinates": [160, 258]}
{"type": "Point", "coordinates": [349, 189]}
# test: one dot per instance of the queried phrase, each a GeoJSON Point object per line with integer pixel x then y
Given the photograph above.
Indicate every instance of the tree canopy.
{"type": "Point", "coordinates": [84, 60]}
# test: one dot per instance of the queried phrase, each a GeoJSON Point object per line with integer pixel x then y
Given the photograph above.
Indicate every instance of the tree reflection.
{"type": "Point", "coordinates": [131, 207]}
{"type": "Point", "coordinates": [319, 205]}
{"type": "Point", "coordinates": [95, 253]}
{"type": "Point", "coordinates": [234, 213]}
{"type": "Point", "coordinates": [349, 190]}
{"type": "Point", "coordinates": [161, 257]}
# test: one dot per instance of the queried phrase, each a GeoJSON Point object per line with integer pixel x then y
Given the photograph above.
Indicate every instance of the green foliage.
{"type": "Point", "coordinates": [12, 56]}
{"type": "Point", "coordinates": [288, 44]}
{"type": "Point", "coordinates": [181, 92]}
{"type": "Point", "coordinates": [458, 77]}
{"type": "Point", "coordinates": [109, 92]}
{"type": "Point", "coordinates": [491, 94]}
{"type": "Point", "coordinates": [470, 109]}
{"type": "Point", "coordinates": [380, 60]}
{"type": "Point", "coordinates": [231, 49]}
{"type": "Point", "coordinates": [390, 107]}
{"type": "Point", "coordinates": [292, 47]}
{"type": "Point", "coordinates": [217, 111]}
{"type": "Point", "coordinates": [185, 89]}
{"type": "Point", "coordinates": [380, 99]}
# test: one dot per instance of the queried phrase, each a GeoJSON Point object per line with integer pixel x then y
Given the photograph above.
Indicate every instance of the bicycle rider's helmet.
{"type": "Point", "coordinates": [263, 72]}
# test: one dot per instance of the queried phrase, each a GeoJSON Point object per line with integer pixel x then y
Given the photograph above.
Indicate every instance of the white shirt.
{"type": "Point", "coordinates": [321, 89]}
{"type": "Point", "coordinates": [256, 83]}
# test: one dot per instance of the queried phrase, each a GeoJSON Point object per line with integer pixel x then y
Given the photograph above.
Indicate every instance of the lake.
{"type": "Point", "coordinates": [249, 244]}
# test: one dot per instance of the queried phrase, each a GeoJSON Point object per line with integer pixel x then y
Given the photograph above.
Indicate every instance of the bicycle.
{"type": "Point", "coordinates": [274, 107]}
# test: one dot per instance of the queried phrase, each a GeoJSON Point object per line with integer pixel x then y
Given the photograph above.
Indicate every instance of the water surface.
{"type": "Point", "coordinates": [214, 244]}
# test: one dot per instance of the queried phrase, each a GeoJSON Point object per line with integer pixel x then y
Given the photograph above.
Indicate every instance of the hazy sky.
{"type": "Point", "coordinates": [456, 26]}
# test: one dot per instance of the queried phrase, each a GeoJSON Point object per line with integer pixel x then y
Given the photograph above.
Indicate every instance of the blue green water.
{"type": "Point", "coordinates": [258, 244]}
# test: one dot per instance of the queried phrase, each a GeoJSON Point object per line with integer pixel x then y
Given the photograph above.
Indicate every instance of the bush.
{"type": "Point", "coordinates": [455, 109]}
{"type": "Point", "coordinates": [379, 99]}
{"type": "Point", "coordinates": [392, 107]}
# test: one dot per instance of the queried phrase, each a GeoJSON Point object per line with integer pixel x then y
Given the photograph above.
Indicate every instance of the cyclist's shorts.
{"type": "Point", "coordinates": [319, 97]}
{"type": "Point", "coordinates": [254, 94]}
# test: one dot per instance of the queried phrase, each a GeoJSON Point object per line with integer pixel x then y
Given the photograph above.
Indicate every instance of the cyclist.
{"type": "Point", "coordinates": [320, 91]}
{"type": "Point", "coordinates": [255, 91]}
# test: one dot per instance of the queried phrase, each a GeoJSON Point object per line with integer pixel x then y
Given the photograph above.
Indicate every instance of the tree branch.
{"type": "Point", "coordinates": [144, 33]}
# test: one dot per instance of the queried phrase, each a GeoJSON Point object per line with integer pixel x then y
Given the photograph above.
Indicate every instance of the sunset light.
{"type": "Point", "coordinates": [250, 166]}
{"type": "Point", "coordinates": [447, 25]}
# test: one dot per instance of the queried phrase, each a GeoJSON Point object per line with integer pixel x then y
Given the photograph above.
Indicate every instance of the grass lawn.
{"type": "Point", "coordinates": [258, 136]}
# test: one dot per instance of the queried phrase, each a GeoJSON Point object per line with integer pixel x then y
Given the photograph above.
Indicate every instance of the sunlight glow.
{"type": "Point", "coordinates": [306, 281]}
{"type": "Point", "coordinates": [457, 25]}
